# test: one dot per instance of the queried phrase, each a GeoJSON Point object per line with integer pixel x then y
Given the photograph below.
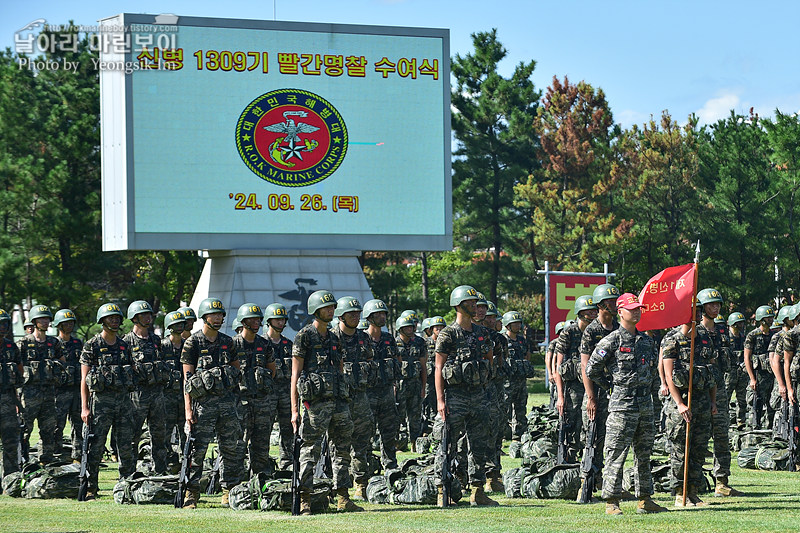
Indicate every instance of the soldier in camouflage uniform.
{"type": "Point", "coordinates": [68, 395]}
{"type": "Point", "coordinates": [549, 364]}
{"type": "Point", "coordinates": [190, 316]}
{"type": "Point", "coordinates": [676, 357]}
{"type": "Point", "coordinates": [463, 360]}
{"type": "Point", "coordinates": [756, 362]}
{"type": "Point", "coordinates": [43, 359]}
{"type": "Point", "coordinates": [516, 388]}
{"type": "Point", "coordinates": [276, 315]}
{"type": "Point", "coordinates": [11, 372]}
{"type": "Point", "coordinates": [357, 356]}
{"type": "Point", "coordinates": [257, 403]}
{"type": "Point", "coordinates": [174, 417]}
{"type": "Point", "coordinates": [785, 318]}
{"type": "Point", "coordinates": [211, 377]}
{"type": "Point", "coordinates": [151, 373]}
{"type": "Point", "coordinates": [595, 399]}
{"type": "Point", "coordinates": [791, 366]}
{"type": "Point", "coordinates": [413, 356]}
{"type": "Point", "coordinates": [711, 300]}
{"type": "Point", "coordinates": [568, 379]}
{"type": "Point", "coordinates": [435, 325]}
{"type": "Point", "coordinates": [107, 378]}
{"type": "Point", "coordinates": [318, 381]}
{"type": "Point", "coordinates": [380, 389]}
{"type": "Point", "coordinates": [628, 356]}
{"type": "Point", "coordinates": [495, 391]}
{"type": "Point", "coordinates": [736, 380]}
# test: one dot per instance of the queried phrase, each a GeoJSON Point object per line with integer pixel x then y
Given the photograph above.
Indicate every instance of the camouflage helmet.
{"type": "Point", "coordinates": [138, 307]}
{"type": "Point", "coordinates": [210, 306]}
{"type": "Point", "coordinates": [584, 303]}
{"type": "Point", "coordinates": [412, 314]}
{"type": "Point", "coordinates": [4, 316]}
{"type": "Point", "coordinates": [765, 311]}
{"type": "Point", "coordinates": [492, 311]}
{"type": "Point", "coordinates": [188, 313]}
{"type": "Point", "coordinates": [249, 310]}
{"type": "Point", "coordinates": [108, 309]}
{"type": "Point", "coordinates": [275, 310]}
{"type": "Point", "coordinates": [510, 317]}
{"type": "Point", "coordinates": [560, 327]}
{"type": "Point", "coordinates": [319, 299]}
{"type": "Point", "coordinates": [404, 321]}
{"type": "Point", "coordinates": [462, 293]}
{"type": "Point", "coordinates": [783, 314]}
{"type": "Point", "coordinates": [64, 315]}
{"type": "Point", "coordinates": [346, 304]}
{"type": "Point", "coordinates": [374, 306]}
{"type": "Point", "coordinates": [236, 325]}
{"type": "Point", "coordinates": [40, 311]}
{"type": "Point", "coordinates": [174, 317]}
{"type": "Point", "coordinates": [363, 324]}
{"type": "Point", "coordinates": [606, 291]}
{"type": "Point", "coordinates": [733, 318]}
{"type": "Point", "coordinates": [707, 296]}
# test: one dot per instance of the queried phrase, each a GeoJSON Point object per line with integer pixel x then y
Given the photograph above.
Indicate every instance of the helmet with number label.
{"type": "Point", "coordinates": [461, 294]}
{"type": "Point", "coordinates": [560, 327]}
{"type": "Point", "coordinates": [188, 313]}
{"type": "Point", "coordinates": [719, 319]}
{"type": "Point", "coordinates": [707, 296]}
{"type": "Point", "coordinates": [606, 291]}
{"type": "Point", "coordinates": [40, 311]}
{"type": "Point", "coordinates": [482, 300]}
{"type": "Point", "coordinates": [374, 306]}
{"type": "Point", "coordinates": [765, 311]}
{"type": "Point", "coordinates": [411, 313]}
{"type": "Point", "coordinates": [510, 317]}
{"type": "Point", "coordinates": [492, 311]}
{"type": "Point", "coordinates": [4, 316]}
{"type": "Point", "coordinates": [175, 317]}
{"type": "Point", "coordinates": [138, 307]}
{"type": "Point", "coordinates": [209, 306]}
{"type": "Point", "coordinates": [320, 299]}
{"type": "Point", "coordinates": [584, 303]}
{"type": "Point", "coordinates": [404, 321]}
{"type": "Point", "coordinates": [426, 323]}
{"type": "Point", "coordinates": [438, 321]}
{"type": "Point", "coordinates": [363, 324]}
{"type": "Point", "coordinates": [733, 318]}
{"type": "Point", "coordinates": [64, 315]}
{"type": "Point", "coordinates": [345, 304]}
{"type": "Point", "coordinates": [249, 310]}
{"type": "Point", "coordinates": [275, 310]}
{"type": "Point", "coordinates": [108, 309]}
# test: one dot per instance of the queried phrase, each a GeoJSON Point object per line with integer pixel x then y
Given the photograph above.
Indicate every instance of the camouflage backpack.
{"type": "Point", "coordinates": [556, 482]}
{"type": "Point", "coordinates": [773, 455]}
{"type": "Point", "coordinates": [265, 493]}
{"type": "Point", "coordinates": [57, 480]}
{"type": "Point", "coordinates": [141, 489]}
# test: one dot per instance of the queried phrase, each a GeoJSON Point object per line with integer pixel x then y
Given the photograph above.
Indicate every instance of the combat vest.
{"type": "Point", "coordinates": [256, 378]}
{"type": "Point", "coordinates": [625, 364]}
{"type": "Point", "coordinates": [410, 354]}
{"type": "Point", "coordinates": [357, 355]}
{"type": "Point", "coordinates": [705, 368]}
{"type": "Point", "coordinates": [758, 342]}
{"type": "Point", "coordinates": [10, 376]}
{"type": "Point", "coordinates": [722, 345]}
{"type": "Point", "coordinates": [520, 367]}
{"type": "Point", "coordinates": [172, 363]}
{"type": "Point", "coordinates": [111, 366]}
{"type": "Point", "coordinates": [40, 360]}
{"type": "Point", "coordinates": [148, 361]}
{"type": "Point", "coordinates": [72, 353]}
{"type": "Point", "coordinates": [466, 365]}
{"type": "Point", "coordinates": [321, 378]}
{"type": "Point", "coordinates": [569, 343]}
{"type": "Point", "coordinates": [214, 374]}
{"type": "Point", "coordinates": [384, 368]}
{"type": "Point", "coordinates": [282, 351]}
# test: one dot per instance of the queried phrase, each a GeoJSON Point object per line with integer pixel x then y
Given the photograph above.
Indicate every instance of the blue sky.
{"type": "Point", "coordinates": [685, 56]}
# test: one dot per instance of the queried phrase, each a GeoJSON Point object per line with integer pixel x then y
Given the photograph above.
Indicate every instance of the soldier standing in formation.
{"type": "Point", "coordinates": [171, 348]}
{"type": "Point", "coordinates": [276, 315]}
{"type": "Point", "coordinates": [736, 380]}
{"type": "Point", "coordinates": [435, 325]}
{"type": "Point", "coordinates": [495, 391]}
{"type": "Point", "coordinates": [517, 384]}
{"type": "Point", "coordinates": [756, 361]}
{"type": "Point", "coordinates": [629, 357]}
{"type": "Point", "coordinates": [413, 355]}
{"type": "Point", "coordinates": [549, 366]}
{"type": "Point", "coordinates": [68, 394]}
{"type": "Point", "coordinates": [11, 371]}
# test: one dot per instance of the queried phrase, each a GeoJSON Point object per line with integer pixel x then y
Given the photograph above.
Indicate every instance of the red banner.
{"type": "Point", "coordinates": [667, 298]}
{"type": "Point", "coordinates": [563, 291]}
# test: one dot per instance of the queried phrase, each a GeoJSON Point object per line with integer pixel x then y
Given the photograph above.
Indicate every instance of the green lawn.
{"type": "Point", "coordinates": [772, 504]}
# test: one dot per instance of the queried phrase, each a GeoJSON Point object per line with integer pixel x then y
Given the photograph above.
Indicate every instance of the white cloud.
{"type": "Point", "coordinates": [629, 117]}
{"type": "Point", "coordinates": [718, 108]}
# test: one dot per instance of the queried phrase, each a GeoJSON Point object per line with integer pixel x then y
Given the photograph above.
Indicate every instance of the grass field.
{"type": "Point", "coordinates": [772, 503]}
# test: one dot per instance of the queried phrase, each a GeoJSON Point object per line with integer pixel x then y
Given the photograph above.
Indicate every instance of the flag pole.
{"type": "Point", "coordinates": [691, 375]}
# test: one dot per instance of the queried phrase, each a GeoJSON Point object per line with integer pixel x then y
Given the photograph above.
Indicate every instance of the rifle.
{"type": "Point", "coordinates": [784, 431]}
{"type": "Point", "coordinates": [562, 444]}
{"type": "Point", "coordinates": [324, 467]}
{"type": "Point", "coordinates": [447, 470]}
{"type": "Point", "coordinates": [213, 477]}
{"type": "Point", "coordinates": [792, 429]}
{"type": "Point", "coordinates": [588, 468]}
{"type": "Point", "coordinates": [756, 421]}
{"type": "Point", "coordinates": [83, 477]}
{"type": "Point", "coordinates": [23, 451]}
{"type": "Point", "coordinates": [186, 462]}
{"type": "Point", "coordinates": [298, 443]}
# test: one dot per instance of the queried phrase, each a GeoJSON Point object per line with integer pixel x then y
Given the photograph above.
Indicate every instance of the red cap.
{"type": "Point", "coordinates": [628, 301]}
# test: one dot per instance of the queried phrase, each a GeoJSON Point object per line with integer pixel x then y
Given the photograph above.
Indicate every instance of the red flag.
{"type": "Point", "coordinates": [667, 298]}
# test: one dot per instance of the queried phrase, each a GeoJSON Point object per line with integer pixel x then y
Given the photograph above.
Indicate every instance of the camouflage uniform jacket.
{"type": "Point", "coordinates": [758, 342]}
{"type": "Point", "coordinates": [678, 347]}
{"type": "Point", "coordinates": [356, 352]}
{"type": "Point", "coordinates": [466, 351]}
{"type": "Point", "coordinates": [10, 362]}
{"type": "Point", "coordinates": [36, 356]}
{"type": "Point", "coordinates": [569, 344]}
{"type": "Point", "coordinates": [410, 353]}
{"type": "Point", "coordinates": [146, 353]}
{"type": "Point", "coordinates": [282, 350]}
{"type": "Point", "coordinates": [72, 353]}
{"type": "Point", "coordinates": [593, 334]}
{"type": "Point", "coordinates": [254, 358]}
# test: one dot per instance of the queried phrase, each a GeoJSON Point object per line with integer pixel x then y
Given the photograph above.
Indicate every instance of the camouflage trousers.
{"type": "Point", "coordinates": [698, 439]}
{"type": "Point", "coordinates": [68, 405]}
{"type": "Point", "coordinates": [497, 420]}
{"type": "Point", "coordinates": [517, 404]}
{"type": "Point", "coordinates": [468, 416]}
{"type": "Point", "coordinates": [257, 414]}
{"type": "Point", "coordinates": [409, 391]}
{"type": "Point", "coordinates": [174, 422]}
{"type": "Point", "coordinates": [429, 403]}
{"type": "Point", "coordinates": [764, 383]}
{"type": "Point", "coordinates": [736, 381]}
{"type": "Point", "coordinates": [39, 402]}
{"type": "Point", "coordinates": [333, 417]}
{"type": "Point", "coordinates": [283, 413]}
{"type": "Point", "coordinates": [601, 416]}
{"type": "Point", "coordinates": [361, 441]}
{"type": "Point", "coordinates": [624, 430]}
{"type": "Point", "coordinates": [217, 416]}
{"type": "Point", "coordinates": [9, 431]}
{"type": "Point", "coordinates": [720, 423]}
{"type": "Point", "coordinates": [384, 413]}
{"type": "Point", "coordinates": [111, 409]}
{"type": "Point", "coordinates": [148, 405]}
{"type": "Point", "coordinates": [573, 400]}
